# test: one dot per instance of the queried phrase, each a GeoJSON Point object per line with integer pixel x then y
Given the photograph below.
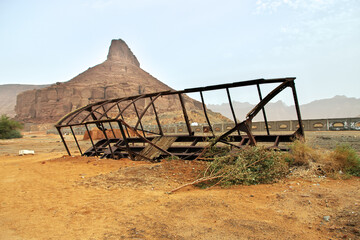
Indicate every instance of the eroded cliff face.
{"type": "Point", "coordinates": [119, 76]}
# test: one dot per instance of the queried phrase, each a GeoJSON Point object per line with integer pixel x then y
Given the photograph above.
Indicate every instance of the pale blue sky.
{"type": "Point", "coordinates": [188, 43]}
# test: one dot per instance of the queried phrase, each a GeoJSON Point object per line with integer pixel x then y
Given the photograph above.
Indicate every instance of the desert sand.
{"type": "Point", "coordinates": [50, 195]}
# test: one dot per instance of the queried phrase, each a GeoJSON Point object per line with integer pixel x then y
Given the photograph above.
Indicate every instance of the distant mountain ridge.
{"type": "Point", "coordinates": [336, 107]}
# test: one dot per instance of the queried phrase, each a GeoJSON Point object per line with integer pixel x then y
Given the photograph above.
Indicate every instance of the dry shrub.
{"type": "Point", "coordinates": [302, 155]}
{"type": "Point", "coordinates": [345, 159]}
{"type": "Point", "coordinates": [309, 162]}
{"type": "Point", "coordinates": [252, 165]}
{"type": "Point", "coordinates": [255, 165]}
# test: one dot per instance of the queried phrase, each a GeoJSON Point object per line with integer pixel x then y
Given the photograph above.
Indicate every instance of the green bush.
{"type": "Point", "coordinates": [252, 165]}
{"type": "Point", "coordinates": [9, 128]}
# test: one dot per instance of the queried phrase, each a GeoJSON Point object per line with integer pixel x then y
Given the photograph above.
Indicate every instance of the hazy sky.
{"type": "Point", "coordinates": [188, 43]}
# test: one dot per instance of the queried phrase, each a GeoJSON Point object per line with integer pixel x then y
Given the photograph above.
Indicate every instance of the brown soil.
{"type": "Point", "coordinates": [51, 196]}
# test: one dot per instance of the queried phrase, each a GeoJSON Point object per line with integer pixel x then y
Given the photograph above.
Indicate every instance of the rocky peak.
{"type": "Point", "coordinates": [120, 52]}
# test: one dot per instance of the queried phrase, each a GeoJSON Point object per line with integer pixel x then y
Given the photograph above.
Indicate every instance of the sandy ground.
{"type": "Point", "coordinates": [52, 196]}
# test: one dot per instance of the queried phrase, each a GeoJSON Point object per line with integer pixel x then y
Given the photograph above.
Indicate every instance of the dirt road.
{"type": "Point", "coordinates": [48, 196]}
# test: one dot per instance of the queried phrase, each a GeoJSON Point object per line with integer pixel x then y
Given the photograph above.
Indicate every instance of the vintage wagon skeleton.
{"type": "Point", "coordinates": [132, 140]}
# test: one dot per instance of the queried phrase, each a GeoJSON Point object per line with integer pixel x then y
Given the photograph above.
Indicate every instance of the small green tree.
{"type": "Point", "coordinates": [9, 128]}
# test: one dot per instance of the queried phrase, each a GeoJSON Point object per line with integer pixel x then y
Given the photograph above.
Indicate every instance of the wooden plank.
{"type": "Point", "coordinates": [151, 152]}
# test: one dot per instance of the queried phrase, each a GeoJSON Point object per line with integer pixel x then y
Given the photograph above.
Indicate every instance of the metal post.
{"type": "Point", "coordinates": [205, 112]}
{"type": "Point", "coordinates": [63, 140]}
{"type": "Point", "coordinates": [301, 128]}
{"type": "Point", "coordinates": [108, 141]}
{"type": "Point", "coordinates": [126, 141]}
{"type": "Point", "coordinates": [92, 142]}
{"type": "Point", "coordinates": [263, 110]}
{"type": "Point", "coordinates": [138, 116]}
{"type": "Point", "coordinates": [109, 122]}
{"type": "Point", "coordinates": [232, 108]}
{"type": "Point", "coordinates": [77, 144]}
{"type": "Point", "coordinates": [122, 117]}
{"type": "Point", "coordinates": [185, 114]}
{"type": "Point", "coordinates": [157, 118]}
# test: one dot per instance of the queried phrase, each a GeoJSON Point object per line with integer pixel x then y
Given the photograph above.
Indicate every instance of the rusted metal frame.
{"type": "Point", "coordinates": [235, 84]}
{"type": "Point", "coordinates": [301, 128]}
{"type": "Point", "coordinates": [99, 105]}
{"type": "Point", "coordinates": [116, 104]}
{"type": "Point", "coordinates": [97, 123]}
{"type": "Point", "coordinates": [138, 116]}
{"type": "Point", "coordinates": [243, 126]}
{"type": "Point", "coordinates": [125, 140]}
{"type": "Point", "coordinates": [92, 142]}
{"type": "Point", "coordinates": [63, 140]}
{"type": "Point", "coordinates": [127, 106]}
{"type": "Point", "coordinates": [76, 112]}
{"type": "Point", "coordinates": [76, 141]}
{"type": "Point", "coordinates": [145, 139]}
{"type": "Point", "coordinates": [157, 117]}
{"type": "Point", "coordinates": [229, 143]}
{"type": "Point", "coordinates": [145, 110]}
{"type": "Point", "coordinates": [232, 108]}
{"type": "Point", "coordinates": [186, 117]}
{"type": "Point", "coordinates": [112, 130]}
{"type": "Point", "coordinates": [267, 99]}
{"type": "Point", "coordinates": [205, 112]}
{"type": "Point", "coordinates": [122, 117]}
{"type": "Point", "coordinates": [169, 92]}
{"type": "Point", "coordinates": [276, 143]}
{"type": "Point", "coordinates": [263, 110]}
{"type": "Point", "coordinates": [108, 141]}
{"type": "Point", "coordinates": [195, 142]}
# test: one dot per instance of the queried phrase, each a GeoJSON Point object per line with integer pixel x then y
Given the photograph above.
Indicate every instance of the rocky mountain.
{"type": "Point", "coordinates": [8, 93]}
{"type": "Point", "coordinates": [119, 76]}
{"type": "Point", "coordinates": [336, 107]}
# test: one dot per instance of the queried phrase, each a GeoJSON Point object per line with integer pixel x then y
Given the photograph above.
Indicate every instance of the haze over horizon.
{"type": "Point", "coordinates": [189, 43]}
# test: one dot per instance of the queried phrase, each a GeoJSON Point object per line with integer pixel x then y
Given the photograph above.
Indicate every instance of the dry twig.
{"type": "Point", "coordinates": [203, 179]}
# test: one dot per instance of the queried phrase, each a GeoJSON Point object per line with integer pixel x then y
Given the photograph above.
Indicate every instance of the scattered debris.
{"type": "Point", "coordinates": [26, 152]}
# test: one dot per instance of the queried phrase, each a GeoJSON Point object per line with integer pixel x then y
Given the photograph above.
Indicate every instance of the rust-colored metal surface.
{"type": "Point", "coordinates": [122, 139]}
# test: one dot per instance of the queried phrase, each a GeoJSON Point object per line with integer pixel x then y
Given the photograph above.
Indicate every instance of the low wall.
{"type": "Point", "coordinates": [334, 124]}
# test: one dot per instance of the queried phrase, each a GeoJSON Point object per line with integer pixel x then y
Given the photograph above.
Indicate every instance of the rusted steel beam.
{"type": "Point", "coordinates": [156, 117]}
{"type": "Point", "coordinates": [146, 140]}
{"type": "Point", "coordinates": [76, 141]}
{"type": "Point", "coordinates": [63, 140]}
{"type": "Point", "coordinates": [301, 128]}
{"type": "Point", "coordinates": [125, 140]}
{"type": "Point", "coordinates": [122, 117]}
{"type": "Point", "coordinates": [232, 108]}
{"type": "Point", "coordinates": [205, 113]}
{"type": "Point", "coordinates": [263, 110]}
{"type": "Point", "coordinates": [144, 111]}
{"type": "Point", "coordinates": [186, 117]}
{"type": "Point", "coordinates": [138, 116]}
{"type": "Point", "coordinates": [267, 99]}
{"type": "Point", "coordinates": [90, 137]}
{"type": "Point", "coordinates": [127, 106]}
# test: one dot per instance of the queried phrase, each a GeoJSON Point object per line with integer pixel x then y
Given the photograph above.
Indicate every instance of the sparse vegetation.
{"type": "Point", "coordinates": [255, 165]}
{"type": "Point", "coordinates": [347, 159]}
{"type": "Point", "coordinates": [341, 162]}
{"type": "Point", "coordinates": [9, 128]}
{"type": "Point", "coordinates": [252, 165]}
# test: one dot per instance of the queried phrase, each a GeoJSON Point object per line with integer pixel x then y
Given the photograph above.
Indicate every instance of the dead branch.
{"type": "Point", "coordinates": [203, 179]}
